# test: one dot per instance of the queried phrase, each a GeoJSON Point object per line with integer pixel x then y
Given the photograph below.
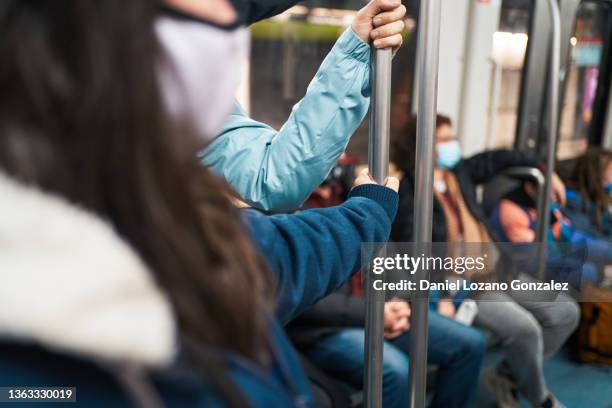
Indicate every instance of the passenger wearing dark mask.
{"type": "Point", "coordinates": [127, 272]}
{"type": "Point", "coordinates": [527, 331]}
{"type": "Point", "coordinates": [576, 225]}
{"type": "Point", "coordinates": [574, 255]}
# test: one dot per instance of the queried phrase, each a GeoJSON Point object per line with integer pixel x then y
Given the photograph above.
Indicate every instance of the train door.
{"type": "Point", "coordinates": [483, 50]}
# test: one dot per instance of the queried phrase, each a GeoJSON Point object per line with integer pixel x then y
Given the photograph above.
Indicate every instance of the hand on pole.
{"type": "Point", "coordinates": [365, 178]}
{"type": "Point", "coordinates": [382, 22]}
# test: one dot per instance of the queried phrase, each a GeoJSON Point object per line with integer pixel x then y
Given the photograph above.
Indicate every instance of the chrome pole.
{"type": "Point", "coordinates": [553, 123]}
{"type": "Point", "coordinates": [427, 60]}
{"type": "Point", "coordinates": [378, 164]}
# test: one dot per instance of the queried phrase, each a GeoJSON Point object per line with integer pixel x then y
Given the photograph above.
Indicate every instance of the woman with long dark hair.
{"type": "Point", "coordinates": [125, 268]}
{"type": "Point", "coordinates": [589, 196]}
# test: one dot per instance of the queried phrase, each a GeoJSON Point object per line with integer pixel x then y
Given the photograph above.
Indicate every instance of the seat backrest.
{"type": "Point", "coordinates": [494, 190]}
{"type": "Point", "coordinates": [564, 169]}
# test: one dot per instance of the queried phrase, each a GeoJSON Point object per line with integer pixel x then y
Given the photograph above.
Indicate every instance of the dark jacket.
{"type": "Point", "coordinates": [469, 172]}
{"type": "Point", "coordinates": [337, 311]}
{"type": "Point", "coordinates": [83, 306]}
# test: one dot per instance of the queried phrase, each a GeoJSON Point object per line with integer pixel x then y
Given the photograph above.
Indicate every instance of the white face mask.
{"type": "Point", "coordinates": [201, 72]}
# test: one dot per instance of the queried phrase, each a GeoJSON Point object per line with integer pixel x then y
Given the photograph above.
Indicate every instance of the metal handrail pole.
{"type": "Point", "coordinates": [427, 60]}
{"type": "Point", "coordinates": [378, 164]}
{"type": "Point", "coordinates": [553, 123]}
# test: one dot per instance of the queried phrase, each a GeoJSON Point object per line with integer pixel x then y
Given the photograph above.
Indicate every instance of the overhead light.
{"type": "Point", "coordinates": [509, 49]}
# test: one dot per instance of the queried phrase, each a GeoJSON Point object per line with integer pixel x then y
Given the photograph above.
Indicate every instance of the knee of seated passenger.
{"type": "Point", "coordinates": [566, 315]}
{"type": "Point", "coordinates": [474, 343]}
{"type": "Point", "coordinates": [395, 372]}
{"type": "Point", "coordinates": [529, 334]}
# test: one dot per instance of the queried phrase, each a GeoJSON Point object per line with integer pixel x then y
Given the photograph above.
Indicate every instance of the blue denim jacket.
{"type": "Point", "coordinates": [277, 170]}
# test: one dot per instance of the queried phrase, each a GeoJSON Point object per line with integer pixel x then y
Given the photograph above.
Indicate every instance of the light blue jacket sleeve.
{"type": "Point", "coordinates": [277, 170]}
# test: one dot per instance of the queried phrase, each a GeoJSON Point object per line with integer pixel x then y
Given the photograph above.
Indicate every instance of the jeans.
{"type": "Point", "coordinates": [527, 332]}
{"type": "Point", "coordinates": [598, 255]}
{"type": "Point", "coordinates": [599, 252]}
{"type": "Point", "coordinates": [579, 261]}
{"type": "Point", "coordinates": [457, 349]}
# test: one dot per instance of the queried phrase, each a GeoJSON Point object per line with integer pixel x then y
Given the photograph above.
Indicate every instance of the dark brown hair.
{"type": "Point", "coordinates": [81, 115]}
{"type": "Point", "coordinates": [586, 177]}
{"type": "Point", "coordinates": [403, 141]}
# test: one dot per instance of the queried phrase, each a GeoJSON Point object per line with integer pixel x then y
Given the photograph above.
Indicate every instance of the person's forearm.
{"type": "Point", "coordinates": [312, 253]}
{"type": "Point", "coordinates": [337, 309]}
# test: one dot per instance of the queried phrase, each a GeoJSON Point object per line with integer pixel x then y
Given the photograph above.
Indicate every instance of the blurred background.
{"type": "Point", "coordinates": [491, 65]}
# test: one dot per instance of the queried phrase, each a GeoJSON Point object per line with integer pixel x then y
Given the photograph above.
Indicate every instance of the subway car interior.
{"type": "Point", "coordinates": [480, 132]}
{"type": "Point", "coordinates": [492, 82]}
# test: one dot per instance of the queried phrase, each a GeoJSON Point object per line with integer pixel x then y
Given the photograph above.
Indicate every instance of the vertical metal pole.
{"type": "Point", "coordinates": [553, 123]}
{"type": "Point", "coordinates": [496, 80]}
{"type": "Point", "coordinates": [427, 59]}
{"type": "Point", "coordinates": [607, 138]}
{"type": "Point", "coordinates": [378, 163]}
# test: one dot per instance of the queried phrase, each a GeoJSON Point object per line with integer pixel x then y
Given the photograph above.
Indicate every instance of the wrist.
{"type": "Point", "coordinates": [385, 197]}
{"type": "Point", "coordinates": [354, 46]}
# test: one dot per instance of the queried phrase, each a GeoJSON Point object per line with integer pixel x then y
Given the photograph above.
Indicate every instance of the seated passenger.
{"type": "Point", "coordinates": [527, 331]}
{"type": "Point", "coordinates": [126, 272]}
{"type": "Point", "coordinates": [515, 220]}
{"type": "Point", "coordinates": [277, 170]}
{"type": "Point", "coordinates": [331, 334]}
{"type": "Point", "coordinates": [589, 196]}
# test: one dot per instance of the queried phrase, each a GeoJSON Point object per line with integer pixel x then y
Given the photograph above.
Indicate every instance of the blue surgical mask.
{"type": "Point", "coordinates": [608, 188]}
{"type": "Point", "coordinates": [449, 154]}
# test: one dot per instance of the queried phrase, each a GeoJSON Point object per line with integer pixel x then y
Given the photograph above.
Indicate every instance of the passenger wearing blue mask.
{"type": "Point", "coordinates": [455, 180]}
{"type": "Point", "coordinates": [448, 149]}
{"type": "Point", "coordinates": [526, 332]}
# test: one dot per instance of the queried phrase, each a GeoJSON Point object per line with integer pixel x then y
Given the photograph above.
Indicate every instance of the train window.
{"type": "Point", "coordinates": [286, 52]}
{"type": "Point", "coordinates": [581, 79]}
